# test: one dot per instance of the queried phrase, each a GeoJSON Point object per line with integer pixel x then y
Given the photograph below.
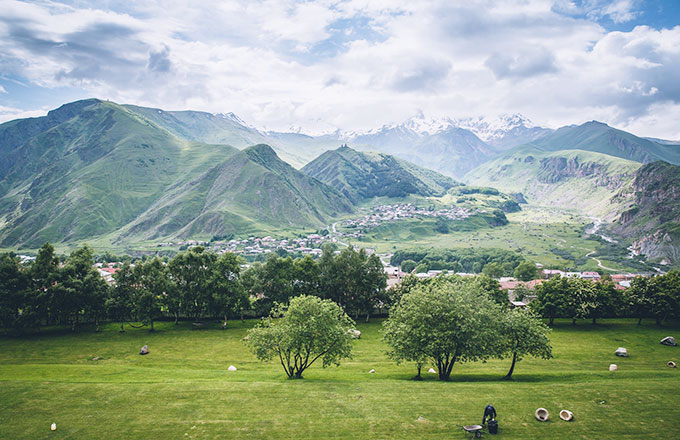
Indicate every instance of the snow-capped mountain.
{"type": "Point", "coordinates": [505, 131]}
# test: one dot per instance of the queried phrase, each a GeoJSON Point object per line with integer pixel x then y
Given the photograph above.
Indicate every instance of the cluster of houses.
{"type": "Point", "coordinates": [399, 211]}
{"type": "Point", "coordinates": [621, 281]}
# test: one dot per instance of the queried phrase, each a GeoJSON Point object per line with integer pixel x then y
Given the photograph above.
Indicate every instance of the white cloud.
{"type": "Point", "coordinates": [357, 63]}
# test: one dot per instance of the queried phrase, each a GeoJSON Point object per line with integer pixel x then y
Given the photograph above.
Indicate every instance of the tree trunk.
{"type": "Point", "coordinates": [176, 318]}
{"type": "Point", "coordinates": [594, 321]}
{"type": "Point", "coordinates": [640, 320]}
{"type": "Point", "coordinates": [368, 315]}
{"type": "Point", "coordinates": [122, 330]}
{"type": "Point", "coordinates": [418, 376]}
{"type": "Point", "coordinates": [573, 321]}
{"type": "Point", "coordinates": [552, 321]}
{"type": "Point", "coordinates": [151, 326]}
{"type": "Point", "coordinates": [512, 367]}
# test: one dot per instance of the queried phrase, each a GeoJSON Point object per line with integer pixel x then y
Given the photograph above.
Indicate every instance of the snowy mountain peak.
{"type": "Point", "coordinates": [427, 125]}
{"type": "Point", "coordinates": [232, 117]}
{"type": "Point", "coordinates": [492, 129]}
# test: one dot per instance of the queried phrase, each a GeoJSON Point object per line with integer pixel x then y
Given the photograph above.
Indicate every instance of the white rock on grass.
{"type": "Point", "coordinates": [613, 367]}
{"type": "Point", "coordinates": [53, 427]}
{"type": "Point", "coordinates": [431, 371]}
{"type": "Point", "coordinates": [231, 368]}
{"type": "Point", "coordinates": [621, 352]}
{"type": "Point", "coordinates": [669, 340]}
{"type": "Point", "coordinates": [372, 371]}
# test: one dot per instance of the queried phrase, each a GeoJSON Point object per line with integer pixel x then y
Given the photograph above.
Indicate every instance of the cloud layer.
{"type": "Point", "coordinates": [352, 64]}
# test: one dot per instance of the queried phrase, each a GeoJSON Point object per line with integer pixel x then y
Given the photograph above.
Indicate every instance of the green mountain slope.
{"type": "Point", "coordinates": [93, 168]}
{"type": "Point", "coordinates": [250, 190]}
{"type": "Point", "coordinates": [600, 138]}
{"type": "Point", "coordinates": [581, 180]}
{"type": "Point", "coordinates": [364, 175]}
{"type": "Point", "coordinates": [652, 212]}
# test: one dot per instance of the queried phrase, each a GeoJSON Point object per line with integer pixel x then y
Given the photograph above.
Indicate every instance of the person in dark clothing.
{"type": "Point", "coordinates": [489, 412]}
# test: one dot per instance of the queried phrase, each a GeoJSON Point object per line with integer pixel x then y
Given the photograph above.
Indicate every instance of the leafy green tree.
{"type": "Point", "coordinates": [79, 289]}
{"type": "Point", "coordinates": [192, 272]}
{"type": "Point", "coordinates": [551, 298]}
{"type": "Point", "coordinates": [421, 268]}
{"type": "Point", "coordinates": [525, 335]}
{"type": "Point", "coordinates": [581, 301]}
{"type": "Point", "coordinates": [445, 321]}
{"type": "Point", "coordinates": [307, 276]}
{"type": "Point", "coordinates": [43, 272]}
{"type": "Point", "coordinates": [491, 287]}
{"type": "Point", "coordinates": [408, 266]}
{"type": "Point", "coordinates": [152, 284]}
{"type": "Point", "coordinates": [638, 298]}
{"type": "Point", "coordinates": [493, 270]}
{"type": "Point", "coordinates": [120, 303]}
{"type": "Point", "coordinates": [13, 291]}
{"type": "Point", "coordinates": [665, 296]}
{"type": "Point", "coordinates": [526, 271]}
{"type": "Point", "coordinates": [299, 334]}
{"type": "Point", "coordinates": [606, 301]}
{"type": "Point", "coordinates": [228, 295]}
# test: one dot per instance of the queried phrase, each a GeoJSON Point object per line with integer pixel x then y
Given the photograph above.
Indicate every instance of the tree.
{"type": "Point", "coordinates": [408, 266]}
{"type": "Point", "coordinates": [120, 303]}
{"type": "Point", "coordinates": [445, 321]}
{"type": "Point", "coordinates": [525, 335]}
{"type": "Point", "coordinates": [78, 288]}
{"type": "Point", "coordinates": [299, 334]}
{"type": "Point", "coordinates": [551, 298]}
{"type": "Point", "coordinates": [152, 282]}
{"type": "Point", "coordinates": [421, 268]}
{"type": "Point", "coordinates": [228, 296]}
{"type": "Point", "coordinates": [665, 296]}
{"type": "Point", "coordinates": [492, 288]}
{"type": "Point", "coordinates": [580, 301]}
{"type": "Point", "coordinates": [43, 273]}
{"type": "Point", "coordinates": [493, 270]}
{"type": "Point", "coordinates": [639, 298]}
{"type": "Point", "coordinates": [192, 272]}
{"type": "Point", "coordinates": [526, 271]}
{"type": "Point", "coordinates": [13, 287]}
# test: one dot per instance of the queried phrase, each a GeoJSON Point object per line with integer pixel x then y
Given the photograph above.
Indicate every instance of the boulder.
{"type": "Point", "coordinates": [669, 340]}
{"type": "Point", "coordinates": [431, 371]}
{"type": "Point", "coordinates": [372, 371]}
{"type": "Point", "coordinates": [672, 364]}
{"type": "Point", "coordinates": [231, 368]}
{"type": "Point", "coordinates": [621, 352]}
{"type": "Point", "coordinates": [144, 350]}
{"type": "Point", "coordinates": [542, 415]}
{"type": "Point", "coordinates": [566, 415]}
{"type": "Point", "coordinates": [613, 367]}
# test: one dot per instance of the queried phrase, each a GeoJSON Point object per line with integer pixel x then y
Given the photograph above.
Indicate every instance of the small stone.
{"type": "Point", "coordinates": [622, 352]}
{"type": "Point", "coordinates": [144, 350]}
{"type": "Point", "coordinates": [420, 418]}
{"type": "Point", "coordinates": [669, 340]}
{"type": "Point", "coordinates": [356, 334]}
{"type": "Point", "coordinates": [96, 358]}
{"type": "Point", "coordinates": [672, 364]}
{"type": "Point", "coordinates": [231, 368]}
{"type": "Point", "coordinates": [53, 427]}
{"type": "Point", "coordinates": [372, 371]}
{"type": "Point", "coordinates": [542, 415]}
{"type": "Point", "coordinates": [613, 367]}
{"type": "Point", "coordinates": [431, 371]}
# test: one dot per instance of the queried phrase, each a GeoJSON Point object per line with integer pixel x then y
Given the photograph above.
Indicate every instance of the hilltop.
{"type": "Point", "coordinates": [364, 175]}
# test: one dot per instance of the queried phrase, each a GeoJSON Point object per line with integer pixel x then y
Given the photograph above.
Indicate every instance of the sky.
{"type": "Point", "coordinates": [351, 64]}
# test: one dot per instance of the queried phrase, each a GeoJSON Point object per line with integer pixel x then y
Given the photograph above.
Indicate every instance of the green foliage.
{"type": "Point", "coordinates": [457, 260]}
{"type": "Point", "coordinates": [493, 270]}
{"type": "Point", "coordinates": [444, 321]}
{"type": "Point", "coordinates": [408, 266]}
{"type": "Point", "coordinates": [525, 335]}
{"type": "Point", "coordinates": [526, 271]}
{"type": "Point", "coordinates": [306, 330]}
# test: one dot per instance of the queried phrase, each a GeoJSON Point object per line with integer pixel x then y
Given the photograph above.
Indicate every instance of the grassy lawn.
{"type": "Point", "coordinates": [182, 389]}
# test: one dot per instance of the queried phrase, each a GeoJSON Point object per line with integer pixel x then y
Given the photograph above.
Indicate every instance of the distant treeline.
{"type": "Point", "coordinates": [456, 260]}
{"type": "Point", "coordinates": [195, 284]}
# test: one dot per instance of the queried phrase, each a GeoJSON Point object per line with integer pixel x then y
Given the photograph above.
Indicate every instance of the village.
{"type": "Point", "coordinates": [399, 211]}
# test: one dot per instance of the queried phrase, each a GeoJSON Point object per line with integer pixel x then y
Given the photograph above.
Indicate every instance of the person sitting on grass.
{"type": "Point", "coordinates": [489, 412]}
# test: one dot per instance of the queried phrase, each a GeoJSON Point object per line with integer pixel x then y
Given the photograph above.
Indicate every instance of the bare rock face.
{"type": "Point", "coordinates": [669, 340]}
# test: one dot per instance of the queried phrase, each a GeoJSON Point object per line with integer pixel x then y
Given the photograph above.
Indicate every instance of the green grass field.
{"type": "Point", "coordinates": [182, 389]}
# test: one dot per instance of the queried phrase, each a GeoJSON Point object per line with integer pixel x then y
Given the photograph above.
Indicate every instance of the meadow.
{"type": "Point", "coordinates": [182, 389]}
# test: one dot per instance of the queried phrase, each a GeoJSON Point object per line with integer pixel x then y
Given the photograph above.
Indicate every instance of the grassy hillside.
{"type": "Point", "coordinates": [601, 138]}
{"type": "Point", "coordinates": [182, 389]}
{"type": "Point", "coordinates": [95, 168]}
{"type": "Point", "coordinates": [363, 175]}
{"type": "Point", "coordinates": [574, 179]}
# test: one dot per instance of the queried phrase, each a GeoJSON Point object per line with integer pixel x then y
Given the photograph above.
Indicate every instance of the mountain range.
{"type": "Point", "coordinates": [95, 168]}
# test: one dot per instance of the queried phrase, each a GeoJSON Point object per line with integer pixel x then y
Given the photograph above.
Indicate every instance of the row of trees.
{"type": "Point", "coordinates": [457, 260]}
{"type": "Point", "coordinates": [657, 298]}
{"type": "Point", "coordinates": [195, 284]}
